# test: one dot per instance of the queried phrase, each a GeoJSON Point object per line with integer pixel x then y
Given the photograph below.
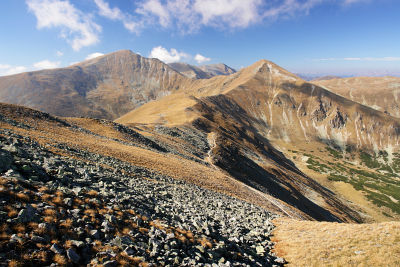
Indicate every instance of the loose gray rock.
{"type": "Point", "coordinates": [112, 263]}
{"type": "Point", "coordinates": [73, 256]}
{"type": "Point", "coordinates": [56, 249]}
{"type": "Point", "coordinates": [29, 214]}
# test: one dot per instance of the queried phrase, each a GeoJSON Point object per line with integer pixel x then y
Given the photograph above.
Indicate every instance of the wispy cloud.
{"type": "Point", "coordinates": [116, 14]}
{"type": "Point", "coordinates": [94, 55]}
{"type": "Point", "coordinates": [350, 2]}
{"type": "Point", "coordinates": [190, 15]}
{"type": "Point", "coordinates": [360, 59]}
{"type": "Point", "coordinates": [76, 27]}
{"type": "Point", "coordinates": [47, 64]}
{"type": "Point", "coordinates": [166, 56]}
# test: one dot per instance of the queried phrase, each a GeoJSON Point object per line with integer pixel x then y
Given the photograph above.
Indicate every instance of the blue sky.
{"type": "Point", "coordinates": [340, 37]}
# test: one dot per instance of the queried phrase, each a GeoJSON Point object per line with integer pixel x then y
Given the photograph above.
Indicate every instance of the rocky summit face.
{"type": "Point", "coordinates": [103, 87]}
{"type": "Point", "coordinates": [135, 162]}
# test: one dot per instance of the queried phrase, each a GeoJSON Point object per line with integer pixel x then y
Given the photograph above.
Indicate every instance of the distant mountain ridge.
{"type": "Point", "coordinates": [190, 71]}
{"type": "Point", "coordinates": [202, 72]}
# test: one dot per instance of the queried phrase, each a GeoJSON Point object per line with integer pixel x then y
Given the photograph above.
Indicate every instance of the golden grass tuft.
{"type": "Point", "coordinates": [67, 223]}
{"type": "Point", "coordinates": [58, 200]}
{"type": "Point", "coordinates": [22, 196]}
{"type": "Point", "coordinates": [14, 263]}
{"type": "Point", "coordinates": [50, 212]}
{"type": "Point", "coordinates": [92, 193]}
{"type": "Point", "coordinates": [90, 212]}
{"type": "Point", "coordinates": [60, 259]}
{"type": "Point", "coordinates": [19, 228]}
{"type": "Point", "coordinates": [310, 243]}
{"type": "Point", "coordinates": [11, 212]}
{"type": "Point", "coordinates": [50, 219]}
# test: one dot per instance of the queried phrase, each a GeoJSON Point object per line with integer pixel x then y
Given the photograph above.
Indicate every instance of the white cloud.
{"type": "Point", "coordinates": [167, 56]}
{"type": "Point", "coordinates": [94, 55]}
{"type": "Point", "coordinates": [201, 59]}
{"type": "Point", "coordinates": [46, 64]}
{"type": "Point", "coordinates": [116, 14]}
{"type": "Point", "coordinates": [233, 13]}
{"type": "Point", "coordinates": [6, 69]}
{"type": "Point", "coordinates": [59, 53]}
{"type": "Point", "coordinates": [77, 27]}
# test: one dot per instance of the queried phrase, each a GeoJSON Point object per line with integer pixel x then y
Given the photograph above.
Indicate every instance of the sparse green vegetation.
{"type": "Point", "coordinates": [375, 179]}
{"type": "Point", "coordinates": [334, 153]}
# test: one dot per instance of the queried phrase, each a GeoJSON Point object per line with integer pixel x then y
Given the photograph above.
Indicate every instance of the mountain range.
{"type": "Point", "coordinates": [325, 150]}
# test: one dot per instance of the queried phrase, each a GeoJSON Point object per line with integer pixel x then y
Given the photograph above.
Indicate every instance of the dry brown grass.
{"type": "Point", "coordinates": [92, 193]}
{"type": "Point", "coordinates": [59, 259]}
{"type": "Point", "coordinates": [67, 223]}
{"type": "Point", "coordinates": [14, 263]}
{"type": "Point", "coordinates": [50, 212]}
{"type": "Point", "coordinates": [22, 196]}
{"type": "Point", "coordinates": [307, 243]}
{"type": "Point", "coordinates": [19, 228]}
{"type": "Point", "coordinates": [50, 219]}
{"type": "Point", "coordinates": [11, 212]}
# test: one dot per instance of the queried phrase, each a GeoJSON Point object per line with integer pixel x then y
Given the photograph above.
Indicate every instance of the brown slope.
{"type": "Point", "coordinates": [380, 93]}
{"type": "Point", "coordinates": [104, 87]}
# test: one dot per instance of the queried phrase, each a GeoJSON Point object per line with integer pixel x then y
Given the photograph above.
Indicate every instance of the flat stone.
{"type": "Point", "coordinates": [38, 239]}
{"type": "Point", "coordinates": [56, 249]}
{"type": "Point", "coordinates": [95, 234]}
{"type": "Point", "coordinates": [16, 239]}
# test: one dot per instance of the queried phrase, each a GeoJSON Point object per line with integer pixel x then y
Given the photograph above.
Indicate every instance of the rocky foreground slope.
{"type": "Point", "coordinates": [63, 204]}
